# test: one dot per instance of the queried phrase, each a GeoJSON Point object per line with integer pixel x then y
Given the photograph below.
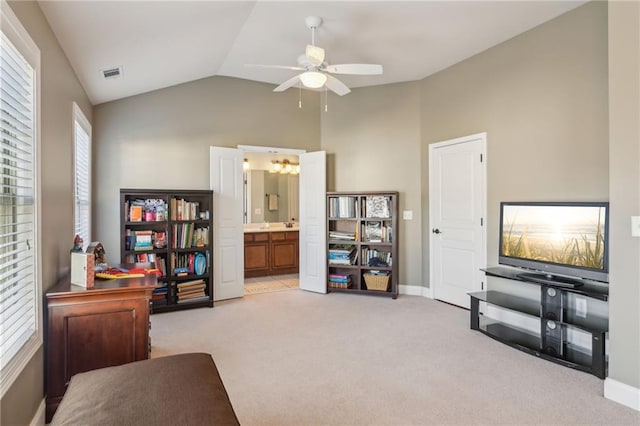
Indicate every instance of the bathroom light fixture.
{"type": "Point", "coordinates": [284, 167]}
{"type": "Point", "coordinates": [275, 167]}
{"type": "Point", "coordinates": [313, 79]}
{"type": "Point", "coordinates": [245, 165]}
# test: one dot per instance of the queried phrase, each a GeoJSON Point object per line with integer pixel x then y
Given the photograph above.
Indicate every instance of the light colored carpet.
{"type": "Point", "coordinates": [298, 358]}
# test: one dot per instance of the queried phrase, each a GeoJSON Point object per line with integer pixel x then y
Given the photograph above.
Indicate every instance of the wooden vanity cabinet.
{"type": "Point", "coordinates": [270, 253]}
{"type": "Point", "coordinates": [284, 252]}
{"type": "Point", "coordinates": [256, 254]}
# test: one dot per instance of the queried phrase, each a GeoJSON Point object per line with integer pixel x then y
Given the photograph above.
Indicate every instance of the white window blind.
{"type": "Point", "coordinates": [20, 289]}
{"type": "Point", "coordinates": [19, 319]}
{"type": "Point", "coordinates": [82, 165]}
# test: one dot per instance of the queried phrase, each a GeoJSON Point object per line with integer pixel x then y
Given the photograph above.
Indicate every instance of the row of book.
{"type": "Point", "coordinates": [159, 261]}
{"type": "Point", "coordinates": [183, 264]}
{"type": "Point", "coordinates": [346, 207]}
{"type": "Point", "coordinates": [343, 207]}
{"type": "Point", "coordinates": [190, 291]}
{"type": "Point", "coordinates": [147, 210]}
{"type": "Point", "coordinates": [186, 235]}
{"type": "Point", "coordinates": [375, 257]}
{"type": "Point", "coordinates": [182, 209]}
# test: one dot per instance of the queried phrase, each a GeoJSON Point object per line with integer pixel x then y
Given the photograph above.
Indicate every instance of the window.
{"type": "Point", "coordinates": [82, 168]}
{"type": "Point", "coordinates": [20, 294]}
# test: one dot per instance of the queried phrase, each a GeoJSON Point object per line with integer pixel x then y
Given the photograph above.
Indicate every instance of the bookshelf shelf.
{"type": "Point", "coordinates": [353, 219]}
{"type": "Point", "coordinates": [180, 240]}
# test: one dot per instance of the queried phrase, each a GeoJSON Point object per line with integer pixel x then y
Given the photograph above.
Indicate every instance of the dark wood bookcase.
{"type": "Point", "coordinates": [362, 242]}
{"type": "Point", "coordinates": [180, 223]}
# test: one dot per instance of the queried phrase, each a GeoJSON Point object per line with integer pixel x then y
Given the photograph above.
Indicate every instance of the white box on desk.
{"type": "Point", "coordinates": [82, 269]}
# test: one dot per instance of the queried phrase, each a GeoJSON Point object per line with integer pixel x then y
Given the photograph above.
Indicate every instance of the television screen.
{"type": "Point", "coordinates": [556, 238]}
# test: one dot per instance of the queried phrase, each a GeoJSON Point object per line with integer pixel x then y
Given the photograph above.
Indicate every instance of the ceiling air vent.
{"type": "Point", "coordinates": [112, 73]}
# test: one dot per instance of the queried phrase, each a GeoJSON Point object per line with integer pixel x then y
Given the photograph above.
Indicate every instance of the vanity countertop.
{"type": "Point", "coordinates": [270, 229]}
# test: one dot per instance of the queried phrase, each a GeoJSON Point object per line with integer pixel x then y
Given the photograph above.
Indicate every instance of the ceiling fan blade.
{"type": "Point", "coordinates": [281, 67]}
{"type": "Point", "coordinates": [284, 86]}
{"type": "Point", "coordinates": [336, 85]}
{"type": "Point", "coordinates": [315, 55]}
{"type": "Point", "coordinates": [359, 69]}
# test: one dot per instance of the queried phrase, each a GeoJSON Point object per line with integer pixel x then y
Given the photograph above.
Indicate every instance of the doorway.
{"type": "Point", "coordinates": [226, 181]}
{"type": "Point", "coordinates": [457, 211]}
{"type": "Point", "coordinates": [270, 204]}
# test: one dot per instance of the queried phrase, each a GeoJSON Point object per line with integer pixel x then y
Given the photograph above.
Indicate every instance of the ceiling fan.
{"type": "Point", "coordinates": [316, 72]}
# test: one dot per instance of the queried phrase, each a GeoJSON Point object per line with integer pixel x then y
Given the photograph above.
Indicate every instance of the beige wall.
{"type": "Point", "coordinates": [161, 139]}
{"type": "Point", "coordinates": [59, 89]}
{"type": "Point", "coordinates": [624, 175]}
{"type": "Point", "coordinates": [542, 99]}
{"type": "Point", "coordinates": [372, 137]}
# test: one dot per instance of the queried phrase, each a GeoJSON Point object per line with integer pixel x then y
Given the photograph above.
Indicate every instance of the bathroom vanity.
{"type": "Point", "coordinates": [270, 250]}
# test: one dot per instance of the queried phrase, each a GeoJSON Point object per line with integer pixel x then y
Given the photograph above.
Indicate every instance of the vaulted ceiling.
{"type": "Point", "coordinates": [164, 43]}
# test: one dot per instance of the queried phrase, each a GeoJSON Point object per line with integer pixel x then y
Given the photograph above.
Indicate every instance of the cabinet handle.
{"type": "Point", "coordinates": [436, 231]}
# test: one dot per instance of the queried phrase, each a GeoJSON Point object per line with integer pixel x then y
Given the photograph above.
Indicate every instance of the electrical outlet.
{"type": "Point", "coordinates": [407, 214]}
{"type": "Point", "coordinates": [581, 307]}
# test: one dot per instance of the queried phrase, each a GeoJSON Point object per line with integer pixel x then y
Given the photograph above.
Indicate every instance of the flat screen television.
{"type": "Point", "coordinates": [561, 243]}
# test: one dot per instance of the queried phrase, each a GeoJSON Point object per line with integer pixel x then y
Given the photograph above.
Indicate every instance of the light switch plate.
{"type": "Point", "coordinates": [635, 226]}
{"type": "Point", "coordinates": [407, 214]}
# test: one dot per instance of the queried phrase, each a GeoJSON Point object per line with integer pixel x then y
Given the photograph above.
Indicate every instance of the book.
{"type": "Point", "coordinates": [373, 232]}
{"type": "Point", "coordinates": [135, 213]}
{"type": "Point", "coordinates": [378, 206]}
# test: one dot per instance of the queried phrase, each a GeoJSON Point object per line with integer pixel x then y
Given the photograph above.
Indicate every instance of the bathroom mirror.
{"type": "Point", "coordinates": [268, 196]}
{"type": "Point", "coordinates": [271, 197]}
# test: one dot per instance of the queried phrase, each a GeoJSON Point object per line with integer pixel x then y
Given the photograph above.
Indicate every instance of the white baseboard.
{"type": "Point", "coordinates": [39, 417]}
{"type": "Point", "coordinates": [413, 290]}
{"type": "Point", "coordinates": [622, 393]}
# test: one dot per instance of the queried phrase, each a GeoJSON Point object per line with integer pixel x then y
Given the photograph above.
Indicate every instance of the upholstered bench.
{"type": "Point", "coordinates": [181, 389]}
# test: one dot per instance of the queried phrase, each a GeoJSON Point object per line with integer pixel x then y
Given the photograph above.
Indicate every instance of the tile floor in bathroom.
{"type": "Point", "coordinates": [270, 283]}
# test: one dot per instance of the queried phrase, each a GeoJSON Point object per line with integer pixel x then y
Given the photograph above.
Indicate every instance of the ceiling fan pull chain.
{"type": "Point", "coordinates": [326, 99]}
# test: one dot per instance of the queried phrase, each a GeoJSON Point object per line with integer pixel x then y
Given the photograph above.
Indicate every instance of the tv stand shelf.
{"type": "Point", "coordinates": [588, 289]}
{"type": "Point", "coordinates": [555, 318]}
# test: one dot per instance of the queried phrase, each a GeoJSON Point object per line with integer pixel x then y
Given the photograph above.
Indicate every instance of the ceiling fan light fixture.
{"type": "Point", "coordinates": [313, 79]}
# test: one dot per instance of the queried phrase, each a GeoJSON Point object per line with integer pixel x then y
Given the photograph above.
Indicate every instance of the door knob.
{"type": "Point", "coordinates": [436, 231]}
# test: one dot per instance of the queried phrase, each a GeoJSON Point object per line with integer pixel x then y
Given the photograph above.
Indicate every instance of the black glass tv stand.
{"type": "Point", "coordinates": [556, 315]}
{"type": "Point", "coordinates": [553, 280]}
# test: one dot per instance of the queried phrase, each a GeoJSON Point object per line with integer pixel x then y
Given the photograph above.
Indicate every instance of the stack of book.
{"type": "Point", "coordinates": [159, 295]}
{"type": "Point", "coordinates": [190, 291]}
{"type": "Point", "coordinates": [339, 280]}
{"type": "Point", "coordinates": [143, 240]}
{"type": "Point", "coordinates": [342, 256]}
{"type": "Point", "coordinates": [341, 235]}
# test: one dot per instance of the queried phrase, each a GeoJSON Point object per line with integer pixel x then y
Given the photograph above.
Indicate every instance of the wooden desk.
{"type": "Point", "coordinates": [87, 329]}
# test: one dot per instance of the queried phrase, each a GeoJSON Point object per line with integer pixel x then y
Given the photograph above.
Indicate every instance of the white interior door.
{"type": "Point", "coordinates": [457, 191]}
{"type": "Point", "coordinates": [313, 223]}
{"type": "Point", "coordinates": [228, 242]}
